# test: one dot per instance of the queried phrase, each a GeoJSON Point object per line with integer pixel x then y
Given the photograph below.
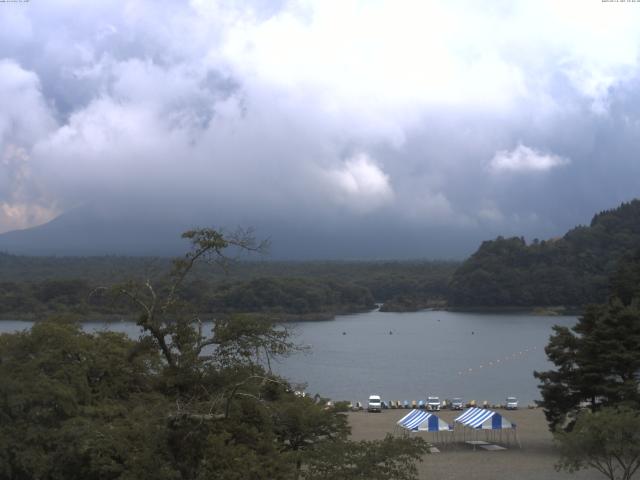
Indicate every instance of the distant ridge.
{"type": "Point", "coordinates": [85, 231]}
{"type": "Point", "coordinates": [572, 270]}
{"type": "Point", "coordinates": [138, 228]}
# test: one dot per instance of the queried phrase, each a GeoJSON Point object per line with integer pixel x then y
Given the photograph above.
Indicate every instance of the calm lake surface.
{"type": "Point", "coordinates": [407, 356]}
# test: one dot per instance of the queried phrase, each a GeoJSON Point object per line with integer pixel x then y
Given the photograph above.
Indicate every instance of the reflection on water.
{"type": "Point", "coordinates": [407, 356]}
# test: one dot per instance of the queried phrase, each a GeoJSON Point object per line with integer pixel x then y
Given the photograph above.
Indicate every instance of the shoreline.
{"type": "Point", "coordinates": [282, 317]}
{"type": "Point", "coordinates": [559, 310]}
{"type": "Point", "coordinates": [276, 317]}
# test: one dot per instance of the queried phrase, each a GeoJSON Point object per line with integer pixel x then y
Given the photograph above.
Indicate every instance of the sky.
{"type": "Point", "coordinates": [339, 129]}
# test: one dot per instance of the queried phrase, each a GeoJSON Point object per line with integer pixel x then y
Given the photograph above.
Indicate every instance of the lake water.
{"type": "Point", "coordinates": [407, 356]}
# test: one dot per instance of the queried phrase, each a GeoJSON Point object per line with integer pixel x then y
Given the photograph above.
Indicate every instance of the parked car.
{"type": "Point", "coordinates": [433, 403]}
{"type": "Point", "coordinates": [512, 403]}
{"type": "Point", "coordinates": [456, 403]}
{"type": "Point", "coordinates": [374, 404]}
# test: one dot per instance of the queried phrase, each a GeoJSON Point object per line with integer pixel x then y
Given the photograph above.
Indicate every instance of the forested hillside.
{"type": "Point", "coordinates": [571, 270]}
{"type": "Point", "coordinates": [36, 287]}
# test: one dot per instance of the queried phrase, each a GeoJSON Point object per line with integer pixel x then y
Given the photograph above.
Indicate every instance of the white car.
{"type": "Point", "coordinates": [456, 403]}
{"type": "Point", "coordinates": [512, 403]}
{"type": "Point", "coordinates": [433, 403]}
{"type": "Point", "coordinates": [374, 404]}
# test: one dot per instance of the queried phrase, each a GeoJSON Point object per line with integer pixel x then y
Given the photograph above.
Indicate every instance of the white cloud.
{"type": "Point", "coordinates": [129, 97]}
{"type": "Point", "coordinates": [525, 159]}
{"type": "Point", "coordinates": [361, 184]}
{"type": "Point", "coordinates": [16, 216]}
{"type": "Point", "coordinates": [373, 58]}
{"type": "Point", "coordinates": [433, 208]}
{"type": "Point", "coordinates": [23, 201]}
{"type": "Point", "coordinates": [491, 213]}
{"type": "Point", "coordinates": [24, 115]}
{"type": "Point", "coordinates": [24, 119]}
{"type": "Point", "coordinates": [398, 57]}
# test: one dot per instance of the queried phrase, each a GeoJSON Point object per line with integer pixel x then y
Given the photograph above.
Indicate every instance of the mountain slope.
{"type": "Point", "coordinates": [572, 270]}
{"type": "Point", "coordinates": [92, 232]}
{"type": "Point", "coordinates": [141, 229]}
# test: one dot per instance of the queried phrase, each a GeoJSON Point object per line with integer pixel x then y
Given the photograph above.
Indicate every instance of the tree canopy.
{"type": "Point", "coordinates": [592, 398]}
{"type": "Point", "coordinates": [572, 270]}
{"type": "Point", "coordinates": [607, 440]}
{"type": "Point", "coordinates": [597, 361]}
{"type": "Point", "coordinates": [178, 403]}
{"type": "Point", "coordinates": [34, 288]}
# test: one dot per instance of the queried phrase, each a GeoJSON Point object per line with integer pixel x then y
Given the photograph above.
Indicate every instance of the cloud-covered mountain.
{"type": "Point", "coordinates": [357, 129]}
{"type": "Point", "coordinates": [96, 231]}
{"type": "Point", "coordinates": [84, 232]}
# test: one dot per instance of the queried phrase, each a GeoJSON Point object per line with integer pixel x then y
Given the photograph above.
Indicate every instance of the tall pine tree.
{"type": "Point", "coordinates": [598, 360]}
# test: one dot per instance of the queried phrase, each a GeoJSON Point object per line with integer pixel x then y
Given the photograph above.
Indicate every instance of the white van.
{"type": "Point", "coordinates": [512, 403]}
{"type": "Point", "coordinates": [433, 403]}
{"type": "Point", "coordinates": [375, 403]}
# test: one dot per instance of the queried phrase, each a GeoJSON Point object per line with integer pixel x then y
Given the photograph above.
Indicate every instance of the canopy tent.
{"type": "Point", "coordinates": [423, 421]}
{"type": "Point", "coordinates": [483, 419]}
{"type": "Point", "coordinates": [492, 423]}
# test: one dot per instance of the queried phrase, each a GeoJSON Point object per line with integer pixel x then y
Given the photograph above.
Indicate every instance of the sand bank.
{"type": "Point", "coordinates": [535, 460]}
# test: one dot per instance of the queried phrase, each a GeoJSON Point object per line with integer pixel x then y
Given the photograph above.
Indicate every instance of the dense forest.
{"type": "Point", "coordinates": [36, 287]}
{"type": "Point", "coordinates": [571, 271]}
{"type": "Point", "coordinates": [265, 295]}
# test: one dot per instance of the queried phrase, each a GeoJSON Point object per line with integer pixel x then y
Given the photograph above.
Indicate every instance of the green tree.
{"type": "Point", "coordinates": [178, 403]}
{"type": "Point", "coordinates": [76, 406]}
{"type": "Point", "coordinates": [625, 282]}
{"type": "Point", "coordinates": [571, 271]}
{"type": "Point", "coordinates": [607, 440]}
{"type": "Point", "coordinates": [367, 460]}
{"type": "Point", "coordinates": [245, 407]}
{"type": "Point", "coordinates": [597, 361]}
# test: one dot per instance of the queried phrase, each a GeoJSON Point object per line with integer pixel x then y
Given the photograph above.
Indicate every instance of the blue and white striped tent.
{"type": "Point", "coordinates": [423, 421]}
{"type": "Point", "coordinates": [483, 419]}
{"type": "Point", "coordinates": [491, 423]}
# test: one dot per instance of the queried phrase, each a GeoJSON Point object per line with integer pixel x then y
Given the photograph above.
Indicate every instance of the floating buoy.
{"type": "Point", "coordinates": [344, 333]}
{"type": "Point", "coordinates": [390, 332]}
{"type": "Point", "coordinates": [472, 332]}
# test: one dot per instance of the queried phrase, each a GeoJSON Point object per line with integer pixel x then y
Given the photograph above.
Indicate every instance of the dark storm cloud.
{"type": "Point", "coordinates": [330, 126]}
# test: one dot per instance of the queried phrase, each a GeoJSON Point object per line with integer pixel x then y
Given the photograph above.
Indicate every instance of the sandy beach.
{"type": "Point", "coordinates": [535, 460]}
